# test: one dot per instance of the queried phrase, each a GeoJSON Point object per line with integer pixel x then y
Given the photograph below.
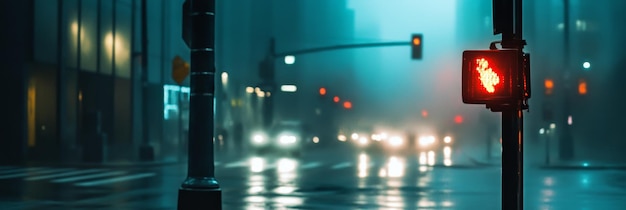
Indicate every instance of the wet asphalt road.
{"type": "Point", "coordinates": [331, 177]}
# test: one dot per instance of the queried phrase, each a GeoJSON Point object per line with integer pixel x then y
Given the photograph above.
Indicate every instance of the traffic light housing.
{"type": "Point", "coordinates": [416, 46]}
{"type": "Point", "coordinates": [491, 76]}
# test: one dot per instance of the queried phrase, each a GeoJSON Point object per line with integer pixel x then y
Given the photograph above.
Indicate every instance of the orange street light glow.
{"type": "Point", "coordinates": [488, 77]}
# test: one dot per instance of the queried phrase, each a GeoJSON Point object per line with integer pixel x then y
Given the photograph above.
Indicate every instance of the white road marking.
{"type": "Point", "coordinates": [116, 179]}
{"type": "Point", "coordinates": [78, 178]}
{"type": "Point", "coordinates": [311, 165]}
{"type": "Point", "coordinates": [236, 164]}
{"type": "Point", "coordinates": [64, 174]}
{"type": "Point", "coordinates": [20, 170]}
{"type": "Point", "coordinates": [342, 165]}
{"type": "Point", "coordinates": [35, 172]}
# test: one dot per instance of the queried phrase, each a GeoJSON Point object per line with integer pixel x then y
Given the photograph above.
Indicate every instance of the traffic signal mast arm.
{"type": "Point", "coordinates": [340, 47]}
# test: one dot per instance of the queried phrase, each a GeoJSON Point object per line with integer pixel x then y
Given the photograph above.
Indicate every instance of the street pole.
{"type": "Point", "coordinates": [200, 189]}
{"type": "Point", "coordinates": [566, 143]}
{"type": "Point", "coordinates": [512, 114]}
{"type": "Point", "coordinates": [146, 152]}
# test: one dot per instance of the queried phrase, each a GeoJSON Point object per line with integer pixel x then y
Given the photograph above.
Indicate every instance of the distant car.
{"type": "Point", "coordinates": [285, 137]}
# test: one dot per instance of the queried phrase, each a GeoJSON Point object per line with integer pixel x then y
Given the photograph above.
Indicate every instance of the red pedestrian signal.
{"type": "Point", "coordinates": [489, 76]}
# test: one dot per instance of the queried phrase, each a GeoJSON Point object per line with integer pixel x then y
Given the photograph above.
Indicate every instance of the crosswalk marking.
{"type": "Point", "coordinates": [64, 174]}
{"type": "Point", "coordinates": [113, 180]}
{"type": "Point", "coordinates": [8, 176]}
{"type": "Point", "coordinates": [311, 165]}
{"type": "Point", "coordinates": [18, 170]}
{"type": "Point", "coordinates": [71, 179]}
{"type": "Point", "coordinates": [236, 164]}
{"type": "Point", "coordinates": [342, 165]}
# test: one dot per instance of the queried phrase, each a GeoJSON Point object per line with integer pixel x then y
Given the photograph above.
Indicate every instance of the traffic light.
{"type": "Point", "coordinates": [549, 85]}
{"type": "Point", "coordinates": [490, 76]}
{"type": "Point", "coordinates": [416, 46]}
{"type": "Point", "coordinates": [582, 87]}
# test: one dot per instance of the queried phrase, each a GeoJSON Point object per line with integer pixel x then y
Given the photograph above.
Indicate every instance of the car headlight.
{"type": "Point", "coordinates": [426, 140]}
{"type": "Point", "coordinates": [258, 139]}
{"type": "Point", "coordinates": [395, 141]}
{"type": "Point", "coordinates": [447, 139]}
{"type": "Point", "coordinates": [363, 141]}
{"type": "Point", "coordinates": [287, 139]}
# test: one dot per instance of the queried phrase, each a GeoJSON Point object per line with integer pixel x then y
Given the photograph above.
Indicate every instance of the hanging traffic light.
{"type": "Point", "coordinates": [490, 76]}
{"type": "Point", "coordinates": [416, 46]}
{"type": "Point", "coordinates": [582, 87]}
{"type": "Point", "coordinates": [549, 85]}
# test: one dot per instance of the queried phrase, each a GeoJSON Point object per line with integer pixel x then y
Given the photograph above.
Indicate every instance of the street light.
{"type": "Point", "coordinates": [290, 59]}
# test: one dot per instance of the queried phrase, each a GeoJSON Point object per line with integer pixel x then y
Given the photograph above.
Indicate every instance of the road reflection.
{"type": "Point", "coordinates": [284, 183]}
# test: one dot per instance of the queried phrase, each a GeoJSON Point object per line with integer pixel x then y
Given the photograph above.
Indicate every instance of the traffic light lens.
{"type": "Point", "coordinates": [488, 77]}
{"type": "Point", "coordinates": [417, 41]}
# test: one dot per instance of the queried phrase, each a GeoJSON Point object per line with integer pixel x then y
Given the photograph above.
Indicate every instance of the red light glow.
{"type": "Point", "coordinates": [488, 77]}
{"type": "Point", "coordinates": [322, 91]}
{"type": "Point", "coordinates": [336, 99]}
{"type": "Point", "coordinates": [347, 104]}
{"type": "Point", "coordinates": [458, 119]}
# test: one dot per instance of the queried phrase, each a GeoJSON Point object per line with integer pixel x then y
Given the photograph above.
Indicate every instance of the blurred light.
{"type": "Point", "coordinates": [431, 158]}
{"type": "Point", "coordinates": [376, 137]}
{"type": "Point", "coordinates": [552, 125]}
{"type": "Point", "coordinates": [569, 120]}
{"type": "Point", "coordinates": [458, 119]}
{"type": "Point", "coordinates": [586, 65]}
{"type": "Point", "coordinates": [585, 164]}
{"type": "Point", "coordinates": [268, 94]}
{"type": "Point", "coordinates": [284, 190]}
{"type": "Point", "coordinates": [286, 165]}
{"type": "Point", "coordinates": [363, 141]}
{"type": "Point", "coordinates": [542, 131]}
{"type": "Point", "coordinates": [224, 78]}
{"type": "Point", "coordinates": [323, 91]}
{"type": "Point", "coordinates": [362, 165]}
{"type": "Point", "coordinates": [316, 139]}
{"type": "Point", "coordinates": [383, 135]}
{"type": "Point", "coordinates": [290, 59]}
{"type": "Point", "coordinates": [287, 139]}
{"type": "Point", "coordinates": [424, 113]}
{"type": "Point", "coordinates": [347, 104]}
{"type": "Point", "coordinates": [257, 164]}
{"type": "Point", "coordinates": [342, 137]}
{"type": "Point", "coordinates": [288, 88]}
{"type": "Point", "coordinates": [582, 87]}
{"type": "Point", "coordinates": [447, 139]}
{"type": "Point", "coordinates": [425, 141]}
{"type": "Point", "coordinates": [382, 172]}
{"type": "Point", "coordinates": [336, 99]}
{"type": "Point", "coordinates": [258, 138]}
{"type": "Point", "coordinates": [354, 136]}
{"type": "Point", "coordinates": [249, 90]}
{"type": "Point", "coordinates": [447, 156]}
{"type": "Point", "coordinates": [395, 167]}
{"type": "Point", "coordinates": [395, 141]}
{"type": "Point", "coordinates": [260, 94]}
{"type": "Point", "coordinates": [423, 160]}
{"type": "Point", "coordinates": [417, 41]}
{"type": "Point", "coordinates": [549, 85]}
{"type": "Point", "coordinates": [257, 89]}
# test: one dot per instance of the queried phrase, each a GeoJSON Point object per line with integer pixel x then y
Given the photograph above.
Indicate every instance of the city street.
{"type": "Point", "coordinates": [337, 177]}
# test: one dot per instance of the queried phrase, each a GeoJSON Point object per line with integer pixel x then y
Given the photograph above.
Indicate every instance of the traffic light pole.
{"type": "Point", "coordinates": [200, 189]}
{"type": "Point", "coordinates": [512, 114]}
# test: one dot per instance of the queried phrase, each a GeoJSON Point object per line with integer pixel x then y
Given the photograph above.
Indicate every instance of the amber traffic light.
{"type": "Point", "coordinates": [416, 46]}
{"type": "Point", "coordinates": [549, 85]}
{"type": "Point", "coordinates": [489, 76]}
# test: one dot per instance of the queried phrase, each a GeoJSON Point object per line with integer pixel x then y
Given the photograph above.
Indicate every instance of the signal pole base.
{"type": "Point", "coordinates": [191, 199]}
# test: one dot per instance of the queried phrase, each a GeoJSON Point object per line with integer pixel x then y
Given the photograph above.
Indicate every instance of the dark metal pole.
{"type": "Point", "coordinates": [566, 144]}
{"type": "Point", "coordinates": [61, 79]}
{"type": "Point", "coordinates": [146, 152]}
{"type": "Point", "coordinates": [200, 189]}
